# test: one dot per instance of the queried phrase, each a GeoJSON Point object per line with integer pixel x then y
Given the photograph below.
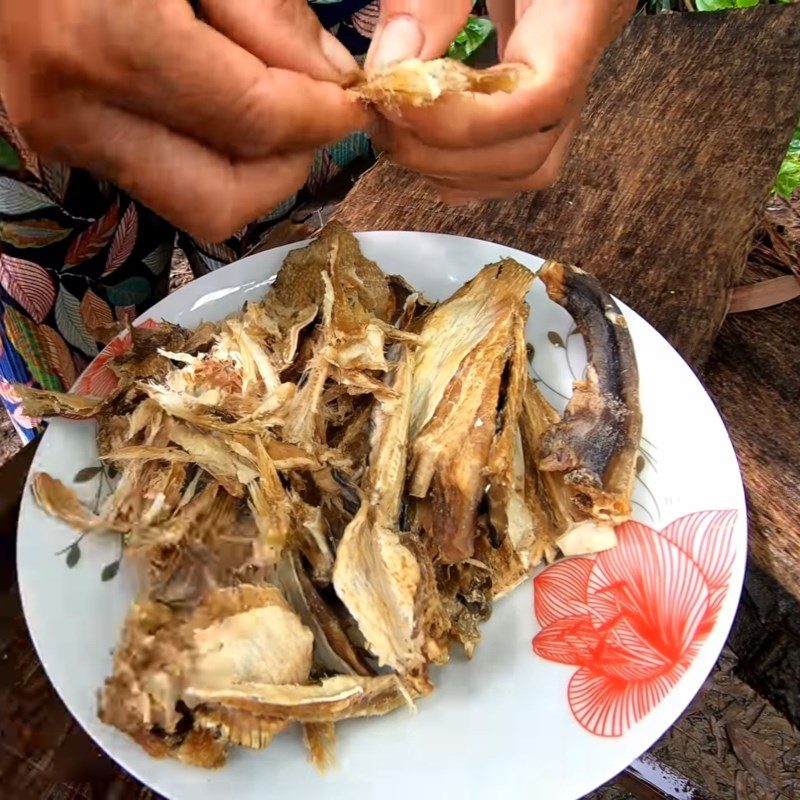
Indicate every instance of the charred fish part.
{"type": "Point", "coordinates": [508, 513]}
{"type": "Point", "coordinates": [334, 653]}
{"type": "Point", "coordinates": [595, 444]}
{"type": "Point", "coordinates": [560, 525]}
{"type": "Point", "coordinates": [454, 328]}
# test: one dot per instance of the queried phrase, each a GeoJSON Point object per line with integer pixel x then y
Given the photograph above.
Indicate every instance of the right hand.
{"type": "Point", "coordinates": [211, 127]}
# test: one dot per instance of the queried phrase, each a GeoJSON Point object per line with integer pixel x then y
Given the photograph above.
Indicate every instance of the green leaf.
{"type": "Point", "coordinates": [721, 5]}
{"type": "Point", "coordinates": [472, 36]}
{"type": "Point", "coordinates": [640, 464]}
{"type": "Point", "coordinates": [788, 178]}
{"type": "Point", "coordinates": [87, 474]}
{"type": "Point", "coordinates": [73, 555]}
{"type": "Point", "coordinates": [8, 156]}
{"type": "Point", "coordinates": [110, 571]}
{"type": "Point", "coordinates": [555, 339]}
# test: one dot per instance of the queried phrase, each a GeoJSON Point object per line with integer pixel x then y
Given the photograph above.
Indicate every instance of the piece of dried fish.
{"type": "Point", "coordinates": [375, 575]}
{"type": "Point", "coordinates": [466, 344]}
{"type": "Point", "coordinates": [420, 83]}
{"type": "Point", "coordinates": [44, 403]}
{"type": "Point", "coordinates": [596, 443]}
{"type": "Point", "coordinates": [325, 493]}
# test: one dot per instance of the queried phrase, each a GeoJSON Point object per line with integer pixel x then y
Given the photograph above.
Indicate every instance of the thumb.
{"type": "Point", "coordinates": [415, 29]}
{"type": "Point", "coordinates": [565, 37]}
{"type": "Point", "coordinates": [284, 34]}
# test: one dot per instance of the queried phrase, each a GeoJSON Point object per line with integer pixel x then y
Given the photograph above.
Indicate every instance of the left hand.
{"type": "Point", "coordinates": [494, 146]}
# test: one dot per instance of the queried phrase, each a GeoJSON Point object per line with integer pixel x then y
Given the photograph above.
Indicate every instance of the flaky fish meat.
{"type": "Point", "coordinates": [420, 83]}
{"type": "Point", "coordinates": [466, 343]}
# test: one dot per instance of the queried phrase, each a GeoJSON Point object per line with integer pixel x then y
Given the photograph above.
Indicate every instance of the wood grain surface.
{"type": "Point", "coordinates": [753, 375]}
{"type": "Point", "coordinates": [684, 129]}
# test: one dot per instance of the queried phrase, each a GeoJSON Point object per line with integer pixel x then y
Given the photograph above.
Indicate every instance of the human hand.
{"type": "Point", "coordinates": [494, 146]}
{"type": "Point", "coordinates": [210, 125]}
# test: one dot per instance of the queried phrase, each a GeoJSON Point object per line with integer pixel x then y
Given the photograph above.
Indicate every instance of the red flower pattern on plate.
{"type": "Point", "coordinates": [632, 619]}
{"type": "Point", "coordinates": [99, 379]}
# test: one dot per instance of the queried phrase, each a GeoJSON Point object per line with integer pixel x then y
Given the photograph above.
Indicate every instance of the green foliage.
{"type": "Point", "coordinates": [473, 35]}
{"type": "Point", "coordinates": [789, 174]}
{"type": "Point", "coordinates": [654, 6]}
{"type": "Point", "coordinates": [721, 5]}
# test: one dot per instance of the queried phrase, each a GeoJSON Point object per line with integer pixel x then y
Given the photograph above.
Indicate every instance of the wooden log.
{"type": "Point", "coordinates": [685, 126]}
{"type": "Point", "coordinates": [753, 375]}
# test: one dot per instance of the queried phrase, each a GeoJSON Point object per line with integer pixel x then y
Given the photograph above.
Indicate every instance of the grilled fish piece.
{"type": "Point", "coordinates": [466, 343]}
{"type": "Point", "coordinates": [375, 575]}
{"type": "Point", "coordinates": [333, 651]}
{"type": "Point", "coordinates": [337, 698]}
{"type": "Point", "coordinates": [235, 636]}
{"type": "Point", "coordinates": [596, 443]}
{"type": "Point", "coordinates": [46, 403]}
{"type": "Point", "coordinates": [299, 284]}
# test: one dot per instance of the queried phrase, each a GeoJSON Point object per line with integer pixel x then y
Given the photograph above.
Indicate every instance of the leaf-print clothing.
{"type": "Point", "coordinates": [78, 256]}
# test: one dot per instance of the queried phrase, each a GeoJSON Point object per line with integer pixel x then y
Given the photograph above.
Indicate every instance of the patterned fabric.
{"type": "Point", "coordinates": [78, 256]}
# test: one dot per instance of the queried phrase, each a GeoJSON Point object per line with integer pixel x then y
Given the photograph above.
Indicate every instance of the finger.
{"type": "Point", "coordinates": [216, 91]}
{"type": "Point", "coordinates": [502, 14]}
{"type": "Point", "coordinates": [283, 33]}
{"type": "Point", "coordinates": [415, 29]}
{"type": "Point", "coordinates": [562, 39]}
{"type": "Point", "coordinates": [515, 159]}
{"type": "Point", "coordinates": [458, 121]}
{"type": "Point", "coordinates": [197, 189]}
{"type": "Point", "coordinates": [545, 176]}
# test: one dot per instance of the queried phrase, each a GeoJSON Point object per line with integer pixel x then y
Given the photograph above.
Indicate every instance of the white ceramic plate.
{"type": "Point", "coordinates": [562, 694]}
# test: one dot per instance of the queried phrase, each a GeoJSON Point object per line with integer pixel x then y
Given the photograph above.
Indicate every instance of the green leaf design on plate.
{"type": "Point", "coordinates": [555, 339]}
{"type": "Point", "coordinates": [640, 464]}
{"type": "Point", "coordinates": [530, 351]}
{"type": "Point", "coordinates": [73, 555]}
{"type": "Point", "coordinates": [87, 474]}
{"type": "Point", "coordinates": [110, 571]}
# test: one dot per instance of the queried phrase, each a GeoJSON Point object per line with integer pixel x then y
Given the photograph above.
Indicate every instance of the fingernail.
{"type": "Point", "coordinates": [337, 55]}
{"type": "Point", "coordinates": [402, 38]}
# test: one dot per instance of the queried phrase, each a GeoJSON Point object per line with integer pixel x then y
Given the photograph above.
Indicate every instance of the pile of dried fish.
{"type": "Point", "coordinates": [327, 491]}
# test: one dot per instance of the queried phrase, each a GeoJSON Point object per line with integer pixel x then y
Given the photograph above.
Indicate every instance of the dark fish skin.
{"type": "Point", "coordinates": [596, 442]}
